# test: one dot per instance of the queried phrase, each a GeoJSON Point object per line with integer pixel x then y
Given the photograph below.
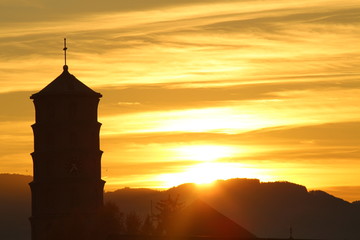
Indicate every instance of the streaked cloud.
{"type": "Point", "coordinates": [157, 44]}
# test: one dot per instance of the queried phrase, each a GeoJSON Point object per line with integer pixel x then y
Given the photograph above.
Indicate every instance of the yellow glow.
{"type": "Point", "coordinates": [208, 172]}
{"type": "Point", "coordinates": [229, 120]}
{"type": "Point", "coordinates": [204, 152]}
{"type": "Point", "coordinates": [213, 119]}
{"type": "Point", "coordinates": [251, 86]}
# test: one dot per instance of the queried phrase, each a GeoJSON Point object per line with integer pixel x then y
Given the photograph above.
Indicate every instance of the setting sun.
{"type": "Point", "coordinates": [208, 172]}
{"type": "Point", "coordinates": [136, 100]}
{"type": "Point", "coordinates": [212, 166]}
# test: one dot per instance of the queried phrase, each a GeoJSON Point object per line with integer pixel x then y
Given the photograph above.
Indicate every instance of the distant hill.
{"type": "Point", "coordinates": [265, 209]}
{"type": "Point", "coordinates": [15, 205]}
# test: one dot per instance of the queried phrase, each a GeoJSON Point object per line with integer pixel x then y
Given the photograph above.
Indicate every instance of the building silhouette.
{"type": "Point", "coordinates": [200, 220]}
{"type": "Point", "coordinates": [66, 158]}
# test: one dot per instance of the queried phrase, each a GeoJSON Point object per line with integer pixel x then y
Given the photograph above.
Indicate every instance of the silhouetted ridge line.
{"type": "Point", "coordinates": [265, 209]}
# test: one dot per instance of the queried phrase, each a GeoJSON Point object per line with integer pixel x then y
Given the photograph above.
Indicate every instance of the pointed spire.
{"type": "Point", "coordinates": [66, 84]}
{"type": "Point", "coordinates": [65, 48]}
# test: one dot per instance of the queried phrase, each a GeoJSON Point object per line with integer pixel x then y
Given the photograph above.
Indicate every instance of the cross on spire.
{"type": "Point", "coordinates": [65, 48]}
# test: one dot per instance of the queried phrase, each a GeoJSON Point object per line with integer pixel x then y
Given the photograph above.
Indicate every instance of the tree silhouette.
{"type": "Point", "coordinates": [167, 208]}
{"type": "Point", "coordinates": [132, 223]}
{"type": "Point", "coordinates": [109, 221]}
{"type": "Point", "coordinates": [148, 226]}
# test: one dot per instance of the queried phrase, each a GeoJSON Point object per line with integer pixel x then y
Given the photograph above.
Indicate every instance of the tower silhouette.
{"type": "Point", "coordinates": [66, 158]}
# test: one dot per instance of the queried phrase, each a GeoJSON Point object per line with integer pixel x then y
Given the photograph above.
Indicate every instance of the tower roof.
{"type": "Point", "coordinates": [66, 84]}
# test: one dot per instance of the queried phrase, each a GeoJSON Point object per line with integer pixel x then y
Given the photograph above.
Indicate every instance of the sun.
{"type": "Point", "coordinates": [208, 172]}
{"type": "Point", "coordinates": [209, 163]}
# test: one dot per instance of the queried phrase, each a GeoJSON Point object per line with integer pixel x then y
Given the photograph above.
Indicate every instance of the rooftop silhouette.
{"type": "Point", "coordinates": [66, 84]}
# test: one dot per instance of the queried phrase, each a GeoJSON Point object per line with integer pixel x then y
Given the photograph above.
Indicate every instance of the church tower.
{"type": "Point", "coordinates": [66, 158]}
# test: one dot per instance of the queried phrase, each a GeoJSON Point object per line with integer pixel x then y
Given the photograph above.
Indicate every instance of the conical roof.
{"type": "Point", "coordinates": [66, 84]}
{"type": "Point", "coordinates": [200, 219]}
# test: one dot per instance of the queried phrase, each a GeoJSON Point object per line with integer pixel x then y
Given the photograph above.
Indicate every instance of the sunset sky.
{"type": "Point", "coordinates": [195, 90]}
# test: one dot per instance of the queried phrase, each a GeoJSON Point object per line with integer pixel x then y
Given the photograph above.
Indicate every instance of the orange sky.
{"type": "Point", "coordinates": [195, 90]}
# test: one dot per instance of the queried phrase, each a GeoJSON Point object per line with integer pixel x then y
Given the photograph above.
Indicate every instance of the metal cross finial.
{"type": "Point", "coordinates": [65, 48]}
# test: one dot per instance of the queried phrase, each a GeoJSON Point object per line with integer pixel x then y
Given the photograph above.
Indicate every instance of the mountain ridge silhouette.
{"type": "Point", "coordinates": [268, 209]}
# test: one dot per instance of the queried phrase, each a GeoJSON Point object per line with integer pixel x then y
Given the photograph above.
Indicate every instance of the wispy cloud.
{"type": "Point", "coordinates": [237, 41]}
